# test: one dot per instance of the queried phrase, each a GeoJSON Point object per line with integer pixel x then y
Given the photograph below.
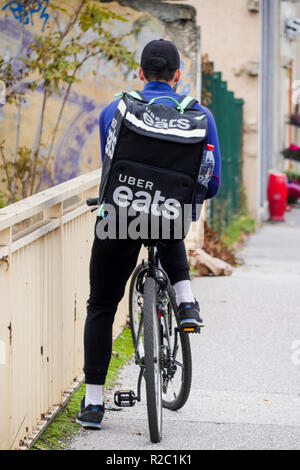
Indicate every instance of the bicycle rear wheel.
{"type": "Point", "coordinates": [176, 361]}
{"type": "Point", "coordinates": [152, 346]}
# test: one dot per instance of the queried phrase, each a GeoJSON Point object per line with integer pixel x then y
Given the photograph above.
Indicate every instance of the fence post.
{"type": "Point", "coordinates": [239, 103]}
{"type": "Point", "coordinates": [231, 161]}
{"type": "Point", "coordinates": [56, 212]}
{"type": "Point", "coordinates": [5, 343]}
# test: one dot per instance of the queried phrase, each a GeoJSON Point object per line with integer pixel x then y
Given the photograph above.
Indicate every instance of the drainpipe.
{"type": "Point", "coordinates": [199, 67]}
{"type": "Point", "coordinates": [266, 101]}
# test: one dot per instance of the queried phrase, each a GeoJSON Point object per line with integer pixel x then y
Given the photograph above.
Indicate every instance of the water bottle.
{"type": "Point", "coordinates": [205, 175]}
{"type": "Point", "coordinates": [207, 166]}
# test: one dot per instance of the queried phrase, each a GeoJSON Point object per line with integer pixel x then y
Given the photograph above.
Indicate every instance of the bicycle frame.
{"type": "Point", "coordinates": [152, 267]}
{"type": "Point", "coordinates": [152, 272]}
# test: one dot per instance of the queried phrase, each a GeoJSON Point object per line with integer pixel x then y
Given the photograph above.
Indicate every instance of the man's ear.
{"type": "Point", "coordinates": [177, 76]}
{"type": "Point", "coordinates": [141, 75]}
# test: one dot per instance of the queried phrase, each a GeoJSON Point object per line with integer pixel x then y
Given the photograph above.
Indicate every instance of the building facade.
{"type": "Point", "coordinates": [249, 43]}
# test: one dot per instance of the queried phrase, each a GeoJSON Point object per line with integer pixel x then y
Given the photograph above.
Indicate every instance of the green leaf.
{"type": "Point", "coordinates": [56, 87]}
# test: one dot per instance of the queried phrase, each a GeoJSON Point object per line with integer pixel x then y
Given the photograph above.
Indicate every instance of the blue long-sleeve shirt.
{"type": "Point", "coordinates": [153, 90]}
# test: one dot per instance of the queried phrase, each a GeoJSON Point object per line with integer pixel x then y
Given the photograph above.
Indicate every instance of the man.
{"type": "Point", "coordinates": [113, 261]}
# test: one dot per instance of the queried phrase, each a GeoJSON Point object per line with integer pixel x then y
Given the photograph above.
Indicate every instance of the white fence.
{"type": "Point", "coordinates": [45, 243]}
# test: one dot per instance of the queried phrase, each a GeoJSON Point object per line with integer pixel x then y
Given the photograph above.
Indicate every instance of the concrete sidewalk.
{"type": "Point", "coordinates": [246, 364]}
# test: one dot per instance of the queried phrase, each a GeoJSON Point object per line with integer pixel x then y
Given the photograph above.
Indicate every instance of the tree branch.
{"type": "Point", "coordinates": [54, 134]}
{"type": "Point", "coordinates": [5, 166]}
{"type": "Point", "coordinates": [18, 125]}
{"type": "Point", "coordinates": [37, 144]}
{"type": "Point", "coordinates": [73, 20]}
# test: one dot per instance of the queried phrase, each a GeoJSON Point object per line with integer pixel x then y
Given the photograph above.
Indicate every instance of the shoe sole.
{"type": "Point", "coordinates": [88, 425]}
{"type": "Point", "coordinates": [190, 323]}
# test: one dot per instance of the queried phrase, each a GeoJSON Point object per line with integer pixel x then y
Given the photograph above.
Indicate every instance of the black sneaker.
{"type": "Point", "coordinates": [91, 416]}
{"type": "Point", "coordinates": [189, 315]}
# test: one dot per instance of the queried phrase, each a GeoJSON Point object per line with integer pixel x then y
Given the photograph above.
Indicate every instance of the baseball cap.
{"type": "Point", "coordinates": [160, 55]}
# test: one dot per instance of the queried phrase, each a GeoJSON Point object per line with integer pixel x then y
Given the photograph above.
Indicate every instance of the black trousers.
{"type": "Point", "coordinates": [112, 263]}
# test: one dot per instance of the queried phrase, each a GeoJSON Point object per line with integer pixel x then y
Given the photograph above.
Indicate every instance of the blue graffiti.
{"type": "Point", "coordinates": [17, 10]}
{"type": "Point", "coordinates": [186, 88]}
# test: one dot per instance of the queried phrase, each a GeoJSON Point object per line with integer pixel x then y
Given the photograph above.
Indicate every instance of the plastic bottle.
{"type": "Point", "coordinates": [207, 166]}
{"type": "Point", "coordinates": [205, 175]}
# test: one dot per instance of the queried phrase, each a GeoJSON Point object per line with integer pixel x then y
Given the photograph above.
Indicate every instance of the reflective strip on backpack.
{"type": "Point", "coordinates": [187, 100]}
{"type": "Point", "coordinates": [178, 132]}
{"type": "Point", "coordinates": [199, 118]}
{"type": "Point", "coordinates": [136, 95]}
{"type": "Point", "coordinates": [122, 107]}
{"type": "Point", "coordinates": [100, 212]}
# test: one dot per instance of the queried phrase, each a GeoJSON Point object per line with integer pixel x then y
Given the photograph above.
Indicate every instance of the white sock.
{"type": "Point", "coordinates": [184, 292]}
{"type": "Point", "coordinates": [93, 395]}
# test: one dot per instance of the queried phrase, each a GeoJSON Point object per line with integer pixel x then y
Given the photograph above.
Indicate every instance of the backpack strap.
{"type": "Point", "coordinates": [135, 94]}
{"type": "Point", "coordinates": [187, 102]}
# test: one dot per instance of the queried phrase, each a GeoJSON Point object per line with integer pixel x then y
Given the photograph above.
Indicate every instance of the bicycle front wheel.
{"type": "Point", "coordinates": [152, 346]}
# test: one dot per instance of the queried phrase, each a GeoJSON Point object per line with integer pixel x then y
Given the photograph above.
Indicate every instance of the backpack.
{"type": "Point", "coordinates": [152, 160]}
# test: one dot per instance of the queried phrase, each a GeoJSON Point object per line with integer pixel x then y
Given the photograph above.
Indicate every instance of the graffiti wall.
{"type": "Point", "coordinates": [77, 149]}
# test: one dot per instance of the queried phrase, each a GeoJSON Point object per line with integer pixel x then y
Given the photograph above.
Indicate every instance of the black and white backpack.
{"type": "Point", "coordinates": [152, 160]}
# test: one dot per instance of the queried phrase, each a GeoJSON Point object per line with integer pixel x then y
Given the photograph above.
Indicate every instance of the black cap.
{"type": "Point", "coordinates": [160, 55]}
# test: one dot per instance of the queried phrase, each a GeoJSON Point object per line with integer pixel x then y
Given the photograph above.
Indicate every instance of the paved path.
{"type": "Point", "coordinates": [246, 378]}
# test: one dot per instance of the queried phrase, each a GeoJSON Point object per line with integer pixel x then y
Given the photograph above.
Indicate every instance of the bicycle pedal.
{"type": "Point", "coordinates": [125, 398]}
{"type": "Point", "coordinates": [192, 330]}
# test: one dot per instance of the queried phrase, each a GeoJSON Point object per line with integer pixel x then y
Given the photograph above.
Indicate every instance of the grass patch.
{"type": "Point", "coordinates": [2, 203]}
{"type": "Point", "coordinates": [240, 226]}
{"type": "Point", "coordinates": [64, 426]}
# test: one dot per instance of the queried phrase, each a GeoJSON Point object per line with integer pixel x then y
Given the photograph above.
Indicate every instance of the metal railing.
{"type": "Point", "coordinates": [45, 243]}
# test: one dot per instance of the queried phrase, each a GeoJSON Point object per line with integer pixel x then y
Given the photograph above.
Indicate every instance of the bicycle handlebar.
{"type": "Point", "coordinates": [92, 202]}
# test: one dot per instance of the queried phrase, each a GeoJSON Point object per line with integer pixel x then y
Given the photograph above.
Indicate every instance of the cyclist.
{"type": "Point", "coordinates": [113, 261]}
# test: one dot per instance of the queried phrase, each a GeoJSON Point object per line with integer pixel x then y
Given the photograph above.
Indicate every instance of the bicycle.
{"type": "Point", "coordinates": [162, 347]}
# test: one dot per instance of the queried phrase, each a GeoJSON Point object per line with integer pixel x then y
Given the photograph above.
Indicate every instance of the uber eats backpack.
{"type": "Point", "coordinates": [152, 160]}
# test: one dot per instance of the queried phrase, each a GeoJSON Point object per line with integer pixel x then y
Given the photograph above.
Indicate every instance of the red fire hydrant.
{"type": "Point", "coordinates": [278, 196]}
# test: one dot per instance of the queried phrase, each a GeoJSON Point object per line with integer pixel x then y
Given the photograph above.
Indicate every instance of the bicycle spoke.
{"type": "Point", "coordinates": [178, 364]}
